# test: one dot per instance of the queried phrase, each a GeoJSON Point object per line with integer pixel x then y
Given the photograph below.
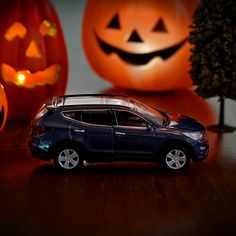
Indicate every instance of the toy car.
{"type": "Point", "coordinates": [108, 127]}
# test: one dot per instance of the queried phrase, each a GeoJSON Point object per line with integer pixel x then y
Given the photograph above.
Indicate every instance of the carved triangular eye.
{"type": "Point", "coordinates": [114, 23]}
{"type": "Point", "coordinates": [16, 30]}
{"type": "Point", "coordinates": [48, 28]}
{"type": "Point", "coordinates": [160, 26]}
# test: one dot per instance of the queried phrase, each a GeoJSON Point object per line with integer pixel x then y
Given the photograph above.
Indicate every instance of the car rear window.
{"type": "Point", "coordinates": [97, 117]}
{"type": "Point", "coordinates": [75, 115]}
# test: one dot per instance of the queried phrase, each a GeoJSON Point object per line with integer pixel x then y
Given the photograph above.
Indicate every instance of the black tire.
{"type": "Point", "coordinates": [67, 157]}
{"type": "Point", "coordinates": [175, 158]}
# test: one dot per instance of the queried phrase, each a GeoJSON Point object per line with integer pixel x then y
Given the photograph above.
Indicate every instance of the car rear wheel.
{"type": "Point", "coordinates": [67, 158]}
{"type": "Point", "coordinates": [176, 158]}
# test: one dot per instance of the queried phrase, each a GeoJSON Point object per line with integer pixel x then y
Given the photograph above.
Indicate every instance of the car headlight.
{"type": "Point", "coordinates": [194, 135]}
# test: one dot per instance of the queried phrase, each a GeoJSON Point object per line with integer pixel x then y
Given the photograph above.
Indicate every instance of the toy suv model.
{"type": "Point", "coordinates": [105, 127]}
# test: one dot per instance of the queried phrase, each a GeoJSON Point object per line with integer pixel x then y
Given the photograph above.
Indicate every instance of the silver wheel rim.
{"type": "Point", "coordinates": [176, 159]}
{"type": "Point", "coordinates": [68, 159]}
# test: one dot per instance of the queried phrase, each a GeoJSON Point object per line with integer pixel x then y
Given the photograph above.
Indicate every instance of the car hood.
{"type": "Point", "coordinates": [184, 122]}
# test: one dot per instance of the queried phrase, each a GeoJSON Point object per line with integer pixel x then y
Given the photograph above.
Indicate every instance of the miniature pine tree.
{"type": "Point", "coordinates": [213, 59]}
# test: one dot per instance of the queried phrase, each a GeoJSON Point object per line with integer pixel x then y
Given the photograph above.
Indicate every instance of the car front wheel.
{"type": "Point", "coordinates": [67, 158]}
{"type": "Point", "coordinates": [176, 158]}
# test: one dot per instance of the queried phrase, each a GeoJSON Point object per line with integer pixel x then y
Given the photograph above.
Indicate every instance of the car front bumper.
{"type": "Point", "coordinates": [201, 151]}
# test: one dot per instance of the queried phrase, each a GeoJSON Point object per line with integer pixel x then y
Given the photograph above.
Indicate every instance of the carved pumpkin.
{"type": "Point", "coordinates": [3, 107]}
{"type": "Point", "coordinates": [139, 45]}
{"type": "Point", "coordinates": [33, 59]}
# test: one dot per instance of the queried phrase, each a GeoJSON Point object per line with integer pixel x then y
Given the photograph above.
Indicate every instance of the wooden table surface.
{"type": "Point", "coordinates": [121, 198]}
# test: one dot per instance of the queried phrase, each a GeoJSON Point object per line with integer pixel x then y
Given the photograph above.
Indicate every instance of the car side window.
{"type": "Point", "coordinates": [75, 115]}
{"type": "Point", "coordinates": [96, 117]}
{"type": "Point", "coordinates": [125, 118]}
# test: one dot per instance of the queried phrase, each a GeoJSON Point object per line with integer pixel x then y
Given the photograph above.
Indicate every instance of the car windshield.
{"type": "Point", "coordinates": [154, 115]}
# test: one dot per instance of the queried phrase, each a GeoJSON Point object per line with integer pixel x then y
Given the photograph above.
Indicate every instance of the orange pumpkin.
{"type": "Point", "coordinates": [137, 44]}
{"type": "Point", "coordinates": [3, 107]}
{"type": "Point", "coordinates": [33, 59]}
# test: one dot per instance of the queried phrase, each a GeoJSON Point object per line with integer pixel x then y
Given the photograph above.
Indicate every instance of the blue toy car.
{"type": "Point", "coordinates": [108, 127]}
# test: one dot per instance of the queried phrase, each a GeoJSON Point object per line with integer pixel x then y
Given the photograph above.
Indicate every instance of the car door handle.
{"type": "Point", "coordinates": [80, 130]}
{"type": "Point", "coordinates": [120, 133]}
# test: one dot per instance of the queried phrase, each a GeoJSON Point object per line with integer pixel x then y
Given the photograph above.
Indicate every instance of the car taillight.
{"type": "Point", "coordinates": [39, 130]}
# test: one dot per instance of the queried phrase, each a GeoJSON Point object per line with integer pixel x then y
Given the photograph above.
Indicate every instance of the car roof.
{"type": "Point", "coordinates": [91, 99]}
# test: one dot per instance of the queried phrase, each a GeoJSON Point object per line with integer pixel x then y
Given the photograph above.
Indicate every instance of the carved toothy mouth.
{"type": "Point", "coordinates": [25, 78]}
{"type": "Point", "coordinates": [139, 58]}
{"type": "Point", "coordinates": [2, 113]}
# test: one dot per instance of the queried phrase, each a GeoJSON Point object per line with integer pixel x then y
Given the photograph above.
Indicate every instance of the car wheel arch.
{"type": "Point", "coordinates": [58, 145]}
{"type": "Point", "coordinates": [167, 145]}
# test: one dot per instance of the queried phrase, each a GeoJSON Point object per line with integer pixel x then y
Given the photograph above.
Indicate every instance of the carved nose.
{"type": "Point", "coordinates": [33, 50]}
{"type": "Point", "coordinates": [134, 37]}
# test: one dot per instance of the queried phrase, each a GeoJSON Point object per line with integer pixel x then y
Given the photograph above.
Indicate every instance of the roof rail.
{"type": "Point", "coordinates": [93, 94]}
{"type": "Point", "coordinates": [60, 100]}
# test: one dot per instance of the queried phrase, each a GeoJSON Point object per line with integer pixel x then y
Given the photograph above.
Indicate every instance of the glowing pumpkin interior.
{"type": "Point", "coordinates": [25, 77]}
{"type": "Point", "coordinates": [33, 59]}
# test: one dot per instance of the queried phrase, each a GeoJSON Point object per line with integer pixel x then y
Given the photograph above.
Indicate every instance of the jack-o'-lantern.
{"type": "Point", "coordinates": [3, 108]}
{"type": "Point", "coordinates": [140, 45]}
{"type": "Point", "coordinates": [33, 59]}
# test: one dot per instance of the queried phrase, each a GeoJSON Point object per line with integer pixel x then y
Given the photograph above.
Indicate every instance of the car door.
{"type": "Point", "coordinates": [93, 129]}
{"type": "Point", "coordinates": [134, 137]}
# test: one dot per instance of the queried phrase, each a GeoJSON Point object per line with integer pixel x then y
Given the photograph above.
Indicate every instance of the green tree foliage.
{"type": "Point", "coordinates": [213, 37]}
